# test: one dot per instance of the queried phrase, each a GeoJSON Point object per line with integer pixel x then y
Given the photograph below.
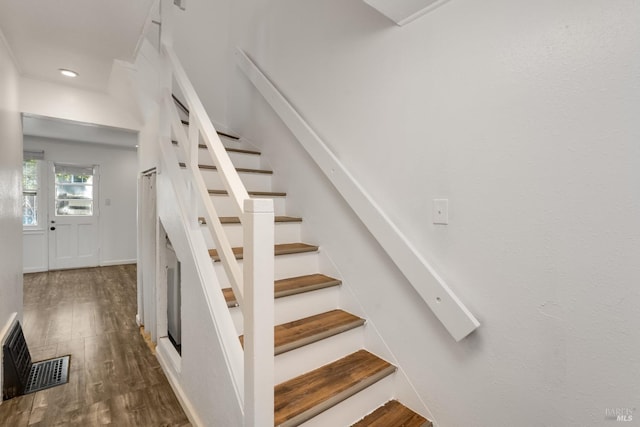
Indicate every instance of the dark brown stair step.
{"type": "Point", "coordinates": [281, 249]}
{"type": "Point", "coordinates": [301, 398]}
{"type": "Point", "coordinates": [251, 193]}
{"type": "Point", "coordinates": [236, 220]}
{"type": "Point", "coordinates": [242, 170]}
{"type": "Point", "coordinates": [301, 332]}
{"type": "Point", "coordinates": [393, 414]}
{"type": "Point", "coordinates": [239, 150]}
{"type": "Point", "coordinates": [231, 150]}
{"type": "Point", "coordinates": [291, 286]}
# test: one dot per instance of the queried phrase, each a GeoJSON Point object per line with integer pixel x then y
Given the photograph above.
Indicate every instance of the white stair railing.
{"type": "Point", "coordinates": [253, 284]}
{"type": "Point", "coordinates": [447, 307]}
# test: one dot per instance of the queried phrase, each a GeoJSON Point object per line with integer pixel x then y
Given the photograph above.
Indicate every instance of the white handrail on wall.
{"type": "Point", "coordinates": [453, 314]}
{"type": "Point", "coordinates": [253, 285]}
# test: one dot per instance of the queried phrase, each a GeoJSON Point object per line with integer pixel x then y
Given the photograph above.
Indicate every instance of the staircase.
{"type": "Point", "coordinates": [323, 374]}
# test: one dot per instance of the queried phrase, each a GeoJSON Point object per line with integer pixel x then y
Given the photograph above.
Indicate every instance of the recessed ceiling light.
{"type": "Point", "coordinates": [68, 73]}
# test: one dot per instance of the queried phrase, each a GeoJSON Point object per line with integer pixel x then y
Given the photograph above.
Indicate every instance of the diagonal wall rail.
{"type": "Point", "coordinates": [447, 307]}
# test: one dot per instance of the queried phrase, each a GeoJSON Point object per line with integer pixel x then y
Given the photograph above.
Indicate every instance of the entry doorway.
{"type": "Point", "coordinates": [73, 216]}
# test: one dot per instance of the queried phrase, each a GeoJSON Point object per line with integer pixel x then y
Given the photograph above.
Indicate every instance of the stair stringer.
{"type": "Point", "coordinates": [398, 386]}
{"type": "Point", "coordinates": [212, 357]}
{"type": "Point", "coordinates": [403, 390]}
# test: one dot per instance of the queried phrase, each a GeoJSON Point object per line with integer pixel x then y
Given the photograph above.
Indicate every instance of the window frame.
{"type": "Point", "coordinates": [37, 192]}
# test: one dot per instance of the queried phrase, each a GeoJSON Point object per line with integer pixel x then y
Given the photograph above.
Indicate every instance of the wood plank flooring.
{"type": "Point", "coordinates": [290, 286]}
{"type": "Point", "coordinates": [303, 397]}
{"type": "Point", "coordinates": [291, 335]}
{"type": "Point", "coordinates": [251, 193]}
{"type": "Point", "coordinates": [393, 413]}
{"type": "Point", "coordinates": [114, 379]}
{"type": "Point", "coordinates": [236, 220]}
{"type": "Point", "coordinates": [280, 249]}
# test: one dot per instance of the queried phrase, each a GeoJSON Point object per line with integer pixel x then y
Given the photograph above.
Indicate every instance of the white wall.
{"type": "Point", "coordinates": [118, 183]}
{"type": "Point", "coordinates": [10, 189]}
{"type": "Point", "coordinates": [205, 24]}
{"type": "Point", "coordinates": [70, 103]}
{"type": "Point", "coordinates": [523, 115]}
{"type": "Point", "coordinates": [10, 192]}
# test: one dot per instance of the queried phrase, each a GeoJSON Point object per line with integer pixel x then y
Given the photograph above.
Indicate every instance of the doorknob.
{"type": "Point", "coordinates": [52, 228]}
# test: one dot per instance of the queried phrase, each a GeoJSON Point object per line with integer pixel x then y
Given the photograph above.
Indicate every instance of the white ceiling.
{"type": "Point", "coordinates": [82, 35]}
{"type": "Point", "coordinates": [68, 130]}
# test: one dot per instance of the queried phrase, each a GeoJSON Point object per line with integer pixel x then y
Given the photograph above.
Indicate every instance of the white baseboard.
{"type": "Point", "coordinates": [118, 262]}
{"type": "Point", "coordinates": [166, 365]}
{"type": "Point", "coordinates": [34, 270]}
{"type": "Point", "coordinates": [13, 318]}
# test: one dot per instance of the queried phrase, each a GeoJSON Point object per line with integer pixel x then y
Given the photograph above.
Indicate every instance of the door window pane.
{"type": "Point", "coordinates": [74, 190]}
{"type": "Point", "coordinates": [74, 207]}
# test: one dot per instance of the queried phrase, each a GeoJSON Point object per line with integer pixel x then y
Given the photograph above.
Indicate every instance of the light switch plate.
{"type": "Point", "coordinates": [441, 211]}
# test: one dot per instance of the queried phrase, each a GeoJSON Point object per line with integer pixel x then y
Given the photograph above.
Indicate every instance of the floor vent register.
{"type": "Point", "coordinates": [21, 375]}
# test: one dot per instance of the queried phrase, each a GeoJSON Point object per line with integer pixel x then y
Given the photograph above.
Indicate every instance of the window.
{"type": "Point", "coordinates": [74, 190]}
{"type": "Point", "coordinates": [30, 190]}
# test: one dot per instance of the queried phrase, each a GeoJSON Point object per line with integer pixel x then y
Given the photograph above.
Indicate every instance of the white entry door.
{"type": "Point", "coordinates": [73, 217]}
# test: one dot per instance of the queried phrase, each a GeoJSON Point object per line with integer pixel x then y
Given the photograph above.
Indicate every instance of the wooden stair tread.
{"type": "Point", "coordinates": [229, 149]}
{"type": "Point", "coordinates": [291, 335]}
{"type": "Point", "coordinates": [239, 150]}
{"type": "Point", "coordinates": [241, 170]}
{"type": "Point", "coordinates": [236, 220]}
{"type": "Point", "coordinates": [281, 249]}
{"type": "Point", "coordinates": [303, 397]}
{"type": "Point", "coordinates": [251, 193]}
{"type": "Point", "coordinates": [291, 286]}
{"type": "Point", "coordinates": [393, 414]}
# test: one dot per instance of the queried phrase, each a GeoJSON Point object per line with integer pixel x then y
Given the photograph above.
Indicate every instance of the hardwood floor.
{"type": "Point", "coordinates": [114, 379]}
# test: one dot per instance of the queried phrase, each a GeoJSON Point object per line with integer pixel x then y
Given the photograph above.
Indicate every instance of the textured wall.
{"type": "Point", "coordinates": [10, 190]}
{"type": "Point", "coordinates": [523, 115]}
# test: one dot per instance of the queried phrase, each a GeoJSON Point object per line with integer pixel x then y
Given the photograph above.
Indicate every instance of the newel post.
{"type": "Point", "coordinates": [258, 228]}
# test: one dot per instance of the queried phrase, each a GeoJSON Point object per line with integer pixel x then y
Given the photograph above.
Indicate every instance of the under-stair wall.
{"type": "Point", "coordinates": [200, 375]}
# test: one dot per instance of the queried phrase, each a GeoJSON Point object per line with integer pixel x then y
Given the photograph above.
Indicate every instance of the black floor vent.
{"type": "Point", "coordinates": [21, 375]}
{"type": "Point", "coordinates": [47, 374]}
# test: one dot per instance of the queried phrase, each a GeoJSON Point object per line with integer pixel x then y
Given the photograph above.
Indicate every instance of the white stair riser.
{"type": "Point", "coordinates": [239, 160]}
{"type": "Point", "coordinates": [285, 266]}
{"type": "Point", "coordinates": [308, 357]}
{"type": "Point", "coordinates": [238, 143]}
{"type": "Point", "coordinates": [285, 232]}
{"type": "Point", "coordinates": [225, 206]}
{"type": "Point", "coordinates": [251, 181]}
{"type": "Point", "coordinates": [294, 307]}
{"type": "Point", "coordinates": [226, 141]}
{"type": "Point", "coordinates": [357, 406]}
